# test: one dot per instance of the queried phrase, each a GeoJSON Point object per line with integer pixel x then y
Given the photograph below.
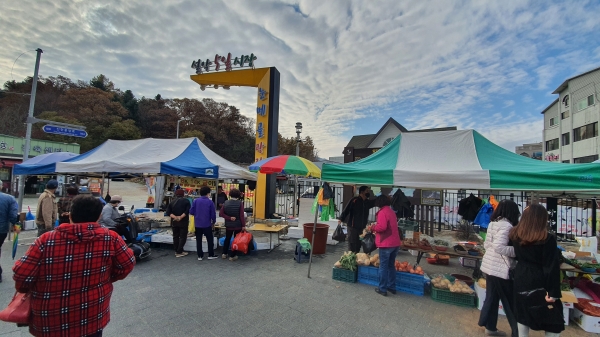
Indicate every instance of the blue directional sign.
{"type": "Point", "coordinates": [61, 130]}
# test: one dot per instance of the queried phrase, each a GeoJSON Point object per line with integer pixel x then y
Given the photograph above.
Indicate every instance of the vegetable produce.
{"type": "Point", "coordinates": [337, 264]}
{"type": "Point", "coordinates": [442, 243]}
{"type": "Point", "coordinates": [407, 268]}
{"type": "Point", "coordinates": [363, 259]}
{"type": "Point", "coordinates": [348, 261]}
{"type": "Point", "coordinates": [441, 282]}
{"type": "Point", "coordinates": [482, 283]}
{"type": "Point", "coordinates": [460, 287]}
{"type": "Point", "coordinates": [410, 243]}
{"type": "Point", "coordinates": [375, 260]}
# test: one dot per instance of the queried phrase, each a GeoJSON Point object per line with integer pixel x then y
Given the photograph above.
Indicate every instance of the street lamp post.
{"type": "Point", "coordinates": [296, 187]}
{"type": "Point", "coordinates": [183, 119]}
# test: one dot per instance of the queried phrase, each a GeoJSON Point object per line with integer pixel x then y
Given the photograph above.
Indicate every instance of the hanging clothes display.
{"type": "Point", "coordinates": [483, 217]}
{"type": "Point", "coordinates": [469, 207]}
{"type": "Point", "coordinates": [493, 202]}
{"type": "Point", "coordinates": [402, 206]}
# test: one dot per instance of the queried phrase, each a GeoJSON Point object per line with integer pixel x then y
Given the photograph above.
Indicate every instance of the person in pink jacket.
{"type": "Point", "coordinates": [387, 240]}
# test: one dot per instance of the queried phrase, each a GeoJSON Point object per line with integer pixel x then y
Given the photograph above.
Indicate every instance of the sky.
{"type": "Point", "coordinates": [346, 66]}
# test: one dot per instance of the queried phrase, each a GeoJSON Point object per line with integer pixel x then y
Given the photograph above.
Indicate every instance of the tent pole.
{"type": "Point", "coordinates": [312, 242]}
{"type": "Point", "coordinates": [102, 186]}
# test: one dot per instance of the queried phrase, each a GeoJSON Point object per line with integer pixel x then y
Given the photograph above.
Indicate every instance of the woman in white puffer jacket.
{"type": "Point", "coordinates": [496, 264]}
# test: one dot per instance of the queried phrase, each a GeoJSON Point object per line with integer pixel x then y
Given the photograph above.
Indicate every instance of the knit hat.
{"type": "Point", "coordinates": [180, 193]}
{"type": "Point", "coordinates": [52, 184]}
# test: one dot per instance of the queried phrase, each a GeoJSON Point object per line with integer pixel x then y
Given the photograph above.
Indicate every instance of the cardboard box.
{"type": "Point", "coordinates": [582, 254]}
{"type": "Point", "coordinates": [586, 322]}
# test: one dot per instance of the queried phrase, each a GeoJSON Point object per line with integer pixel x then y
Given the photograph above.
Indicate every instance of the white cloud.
{"type": "Point", "coordinates": [340, 61]}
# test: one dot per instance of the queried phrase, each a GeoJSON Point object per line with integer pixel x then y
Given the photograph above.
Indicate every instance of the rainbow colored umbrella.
{"type": "Point", "coordinates": [15, 245]}
{"type": "Point", "coordinates": [286, 164]}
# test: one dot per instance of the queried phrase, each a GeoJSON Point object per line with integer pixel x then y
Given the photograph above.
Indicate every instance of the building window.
{"type": "Point", "coordinates": [552, 121]}
{"type": "Point", "coordinates": [552, 144]}
{"type": "Point", "coordinates": [585, 132]}
{"type": "Point", "coordinates": [565, 114]}
{"type": "Point", "coordinates": [566, 162]}
{"type": "Point", "coordinates": [586, 159]}
{"type": "Point", "coordinates": [586, 102]}
{"type": "Point", "coordinates": [566, 101]}
{"type": "Point", "coordinates": [387, 141]}
{"type": "Point", "coordinates": [566, 139]}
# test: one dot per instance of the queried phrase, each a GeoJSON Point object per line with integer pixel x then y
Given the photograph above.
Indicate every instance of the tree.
{"type": "Point", "coordinates": [288, 146]}
{"type": "Point", "coordinates": [156, 119]}
{"type": "Point", "coordinates": [102, 82]}
{"type": "Point", "coordinates": [192, 133]}
{"type": "Point", "coordinates": [123, 130]}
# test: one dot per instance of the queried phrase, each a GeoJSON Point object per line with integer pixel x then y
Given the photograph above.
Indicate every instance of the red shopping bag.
{"type": "Point", "coordinates": [241, 242]}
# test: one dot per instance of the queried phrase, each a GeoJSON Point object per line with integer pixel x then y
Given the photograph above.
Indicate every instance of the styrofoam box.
{"type": "Point", "coordinates": [190, 244]}
{"type": "Point", "coordinates": [586, 322]}
{"type": "Point", "coordinates": [481, 296]}
{"type": "Point", "coordinates": [467, 262]}
{"type": "Point", "coordinates": [29, 225]}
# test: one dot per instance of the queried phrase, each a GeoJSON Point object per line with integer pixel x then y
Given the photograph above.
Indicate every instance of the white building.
{"type": "Point", "coordinates": [571, 121]}
{"type": "Point", "coordinates": [533, 150]}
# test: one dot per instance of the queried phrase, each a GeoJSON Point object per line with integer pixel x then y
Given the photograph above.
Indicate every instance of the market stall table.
{"type": "Point", "coordinates": [259, 227]}
{"type": "Point", "coordinates": [450, 253]}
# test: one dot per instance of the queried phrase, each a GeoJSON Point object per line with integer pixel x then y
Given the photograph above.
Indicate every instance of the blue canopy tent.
{"type": "Point", "coordinates": [42, 164]}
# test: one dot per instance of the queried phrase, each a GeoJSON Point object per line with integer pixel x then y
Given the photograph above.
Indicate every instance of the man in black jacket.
{"type": "Point", "coordinates": [356, 216]}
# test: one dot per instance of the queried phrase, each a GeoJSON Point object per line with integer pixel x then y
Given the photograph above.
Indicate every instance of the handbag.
{"type": "Point", "coordinates": [18, 310]}
{"type": "Point", "coordinates": [511, 267]}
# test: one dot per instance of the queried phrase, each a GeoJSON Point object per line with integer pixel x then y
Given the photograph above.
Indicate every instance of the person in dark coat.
{"type": "Point", "coordinates": [179, 211]}
{"type": "Point", "coordinates": [356, 216]}
{"type": "Point", "coordinates": [538, 267]}
{"type": "Point", "coordinates": [233, 213]}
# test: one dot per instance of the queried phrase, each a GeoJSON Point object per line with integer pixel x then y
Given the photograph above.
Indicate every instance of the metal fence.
{"type": "Point", "coordinates": [568, 216]}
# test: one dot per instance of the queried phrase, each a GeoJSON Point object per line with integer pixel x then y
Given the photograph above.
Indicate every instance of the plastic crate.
{"type": "Point", "coordinates": [344, 275]}
{"type": "Point", "coordinates": [410, 283]}
{"type": "Point", "coordinates": [368, 275]}
{"type": "Point", "coordinates": [446, 296]}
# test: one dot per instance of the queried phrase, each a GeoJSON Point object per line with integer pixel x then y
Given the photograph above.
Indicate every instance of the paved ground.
{"type": "Point", "coordinates": [266, 295]}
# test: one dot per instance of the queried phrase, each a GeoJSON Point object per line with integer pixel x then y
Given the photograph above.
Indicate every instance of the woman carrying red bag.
{"type": "Point", "coordinates": [233, 213]}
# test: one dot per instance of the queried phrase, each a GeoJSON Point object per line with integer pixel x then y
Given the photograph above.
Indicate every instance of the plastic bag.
{"type": "Point", "coordinates": [368, 243]}
{"type": "Point", "coordinates": [29, 215]}
{"type": "Point", "coordinates": [192, 225]}
{"type": "Point", "coordinates": [338, 234]}
{"type": "Point", "coordinates": [222, 242]}
{"type": "Point", "coordinates": [241, 242]}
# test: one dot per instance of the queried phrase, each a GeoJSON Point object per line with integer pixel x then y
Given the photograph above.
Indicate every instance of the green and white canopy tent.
{"type": "Point", "coordinates": [461, 159]}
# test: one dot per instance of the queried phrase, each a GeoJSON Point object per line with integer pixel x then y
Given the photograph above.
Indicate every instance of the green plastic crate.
{"type": "Point", "coordinates": [446, 296]}
{"type": "Point", "coordinates": [344, 275]}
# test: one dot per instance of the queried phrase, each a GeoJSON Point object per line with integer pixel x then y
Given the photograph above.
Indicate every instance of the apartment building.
{"type": "Point", "coordinates": [571, 121]}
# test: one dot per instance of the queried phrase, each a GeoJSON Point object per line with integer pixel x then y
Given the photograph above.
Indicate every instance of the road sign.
{"type": "Point", "coordinates": [61, 130]}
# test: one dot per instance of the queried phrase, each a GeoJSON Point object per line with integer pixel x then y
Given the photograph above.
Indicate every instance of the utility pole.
{"type": "Point", "coordinates": [28, 134]}
{"type": "Point", "coordinates": [296, 207]}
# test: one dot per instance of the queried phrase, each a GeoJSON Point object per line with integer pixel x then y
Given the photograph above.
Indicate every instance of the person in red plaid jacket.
{"type": "Point", "coordinates": [69, 273]}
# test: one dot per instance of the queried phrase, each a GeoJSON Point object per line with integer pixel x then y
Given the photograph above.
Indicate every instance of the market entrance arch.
{"type": "Point", "coordinates": [267, 112]}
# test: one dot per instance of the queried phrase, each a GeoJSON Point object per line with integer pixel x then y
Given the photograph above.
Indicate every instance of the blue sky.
{"type": "Point", "coordinates": [346, 66]}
